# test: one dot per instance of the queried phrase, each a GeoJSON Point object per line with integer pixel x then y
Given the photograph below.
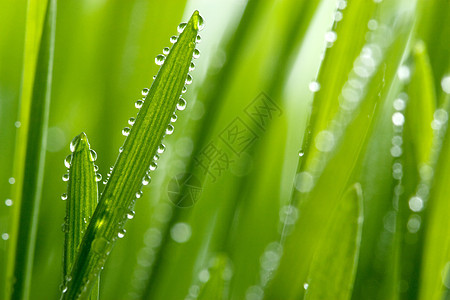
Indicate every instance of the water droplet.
{"type": "Point", "coordinates": [338, 16]}
{"type": "Point", "coordinates": [8, 202]}
{"type": "Point", "coordinates": [100, 245]}
{"type": "Point", "coordinates": [192, 67]}
{"type": "Point", "coordinates": [174, 117]}
{"type": "Point", "coordinates": [196, 53]}
{"type": "Point", "coordinates": [153, 166]}
{"type": "Point", "coordinates": [145, 91]}
{"type": "Point", "coordinates": [201, 23]}
{"type": "Point", "coordinates": [146, 180]}
{"type": "Point", "coordinates": [155, 157]}
{"type": "Point", "coordinates": [396, 151]}
{"type": "Point", "coordinates": [159, 59]}
{"type": "Point", "coordinates": [342, 4]}
{"type": "Point", "coordinates": [305, 286]}
{"type": "Point", "coordinates": [198, 39]}
{"type": "Point", "coordinates": [154, 77]}
{"type": "Point", "coordinates": [92, 155]}
{"type": "Point", "coordinates": [161, 148]}
{"type": "Point", "coordinates": [65, 177]}
{"type": "Point", "coordinates": [414, 223]}
{"type": "Point", "coordinates": [131, 121]}
{"type": "Point", "coordinates": [181, 27]}
{"type": "Point", "coordinates": [184, 89]}
{"type": "Point", "coordinates": [121, 233]}
{"type": "Point", "coordinates": [120, 149]}
{"type": "Point", "coordinates": [314, 86]}
{"type": "Point", "coordinates": [445, 84]}
{"type": "Point", "coordinates": [126, 131]}
{"type": "Point", "coordinates": [98, 177]}
{"type": "Point", "coordinates": [169, 129]}
{"type": "Point", "coordinates": [131, 214]}
{"type": "Point", "coordinates": [17, 124]}
{"type": "Point", "coordinates": [301, 153]}
{"type": "Point", "coordinates": [399, 104]}
{"type": "Point", "coordinates": [181, 105]}
{"type": "Point", "coordinates": [11, 180]}
{"type": "Point", "coordinates": [64, 196]}
{"type": "Point", "coordinates": [95, 168]}
{"type": "Point", "coordinates": [304, 182]}
{"type": "Point", "coordinates": [324, 141]}
{"type": "Point", "coordinates": [173, 39]}
{"type": "Point", "coordinates": [74, 143]}
{"type": "Point", "coordinates": [166, 50]}
{"type": "Point", "coordinates": [139, 104]}
{"type": "Point", "coordinates": [188, 79]}
{"type": "Point", "coordinates": [330, 36]}
{"type": "Point", "coordinates": [415, 204]}
{"type": "Point", "coordinates": [372, 24]}
{"type": "Point", "coordinates": [398, 119]}
{"type": "Point", "coordinates": [203, 276]}
{"type": "Point", "coordinates": [138, 194]}
{"type": "Point", "coordinates": [5, 236]}
{"type": "Point", "coordinates": [403, 73]}
{"type": "Point", "coordinates": [68, 161]}
{"type": "Point", "coordinates": [180, 232]}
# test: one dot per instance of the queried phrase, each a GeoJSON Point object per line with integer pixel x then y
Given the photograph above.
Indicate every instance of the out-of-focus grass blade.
{"type": "Point", "coordinates": [132, 166]}
{"type": "Point", "coordinates": [417, 143]}
{"type": "Point", "coordinates": [81, 197]}
{"type": "Point", "coordinates": [29, 164]}
{"type": "Point", "coordinates": [333, 267]}
{"type": "Point", "coordinates": [219, 276]}
{"type": "Point", "coordinates": [339, 150]}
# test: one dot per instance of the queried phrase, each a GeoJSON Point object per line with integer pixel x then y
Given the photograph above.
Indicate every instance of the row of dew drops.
{"type": "Point", "coordinates": [100, 244]}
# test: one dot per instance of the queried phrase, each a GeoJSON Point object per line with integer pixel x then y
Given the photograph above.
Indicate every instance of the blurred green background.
{"type": "Point", "coordinates": [269, 51]}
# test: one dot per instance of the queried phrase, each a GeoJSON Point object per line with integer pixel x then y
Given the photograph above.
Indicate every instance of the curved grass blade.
{"type": "Point", "coordinates": [29, 163]}
{"type": "Point", "coordinates": [82, 198]}
{"type": "Point", "coordinates": [132, 165]}
{"type": "Point", "coordinates": [333, 267]}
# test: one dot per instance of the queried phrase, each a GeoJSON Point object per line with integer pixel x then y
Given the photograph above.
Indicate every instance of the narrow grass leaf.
{"type": "Point", "coordinates": [30, 163]}
{"type": "Point", "coordinates": [81, 197]}
{"type": "Point", "coordinates": [218, 277]}
{"type": "Point", "coordinates": [333, 267]}
{"type": "Point", "coordinates": [131, 169]}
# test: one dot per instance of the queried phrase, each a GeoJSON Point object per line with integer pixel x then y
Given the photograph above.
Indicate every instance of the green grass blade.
{"type": "Point", "coordinates": [29, 185]}
{"type": "Point", "coordinates": [81, 197]}
{"type": "Point", "coordinates": [219, 276]}
{"type": "Point", "coordinates": [132, 165]}
{"type": "Point", "coordinates": [333, 267]}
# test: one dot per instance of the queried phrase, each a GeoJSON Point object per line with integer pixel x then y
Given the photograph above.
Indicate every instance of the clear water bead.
{"type": "Point", "coordinates": [155, 157]}
{"type": "Point", "coordinates": [173, 118]}
{"type": "Point", "coordinates": [161, 148]}
{"type": "Point", "coordinates": [166, 50]}
{"type": "Point", "coordinates": [201, 23]}
{"type": "Point", "coordinates": [146, 180]}
{"type": "Point", "coordinates": [65, 177]}
{"type": "Point", "coordinates": [173, 39]}
{"type": "Point", "coordinates": [130, 215]}
{"type": "Point", "coordinates": [68, 161]}
{"type": "Point", "coordinates": [154, 77]}
{"type": "Point", "coordinates": [92, 155]}
{"type": "Point", "coordinates": [74, 143]}
{"type": "Point", "coordinates": [181, 27]}
{"type": "Point", "coordinates": [8, 202]}
{"type": "Point", "coordinates": [126, 131]}
{"type": "Point", "coordinates": [145, 91]}
{"type": "Point", "coordinates": [139, 104]}
{"type": "Point", "coordinates": [188, 79]}
{"type": "Point", "coordinates": [138, 194]}
{"type": "Point", "coordinates": [196, 53]}
{"type": "Point", "coordinates": [64, 196]}
{"type": "Point", "coordinates": [330, 36]}
{"type": "Point", "coordinates": [131, 121]}
{"type": "Point", "coordinates": [169, 129]}
{"type": "Point", "coordinates": [192, 67]}
{"type": "Point", "coordinates": [95, 168]}
{"type": "Point", "coordinates": [159, 59]}
{"type": "Point", "coordinates": [98, 177]}
{"type": "Point", "coordinates": [314, 86]}
{"type": "Point", "coordinates": [181, 104]}
{"type": "Point", "coordinates": [198, 39]}
{"type": "Point", "coordinates": [153, 166]}
{"type": "Point", "coordinates": [120, 149]}
{"type": "Point", "coordinates": [184, 90]}
{"type": "Point", "coordinates": [121, 233]}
